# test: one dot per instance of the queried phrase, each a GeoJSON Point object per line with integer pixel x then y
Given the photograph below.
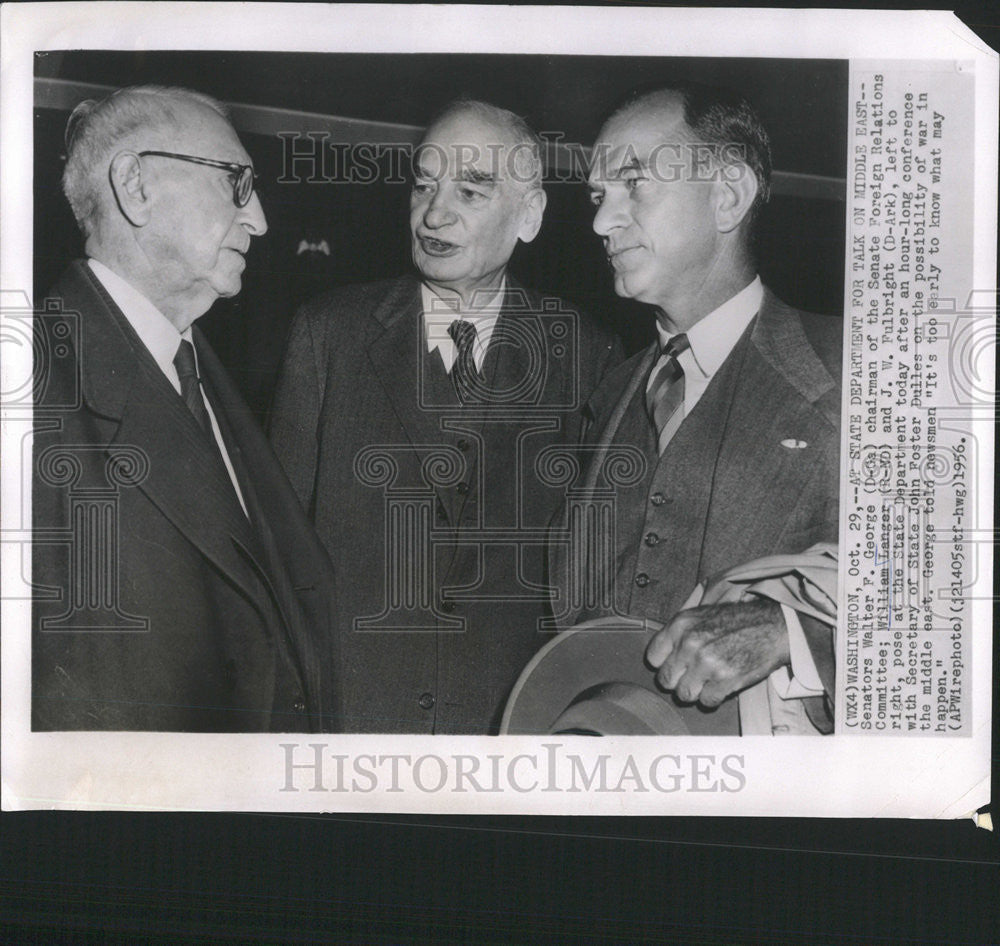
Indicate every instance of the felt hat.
{"type": "Point", "coordinates": [593, 679]}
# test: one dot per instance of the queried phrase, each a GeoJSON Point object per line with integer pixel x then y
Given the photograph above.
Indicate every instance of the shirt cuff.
{"type": "Point", "coordinates": [804, 678]}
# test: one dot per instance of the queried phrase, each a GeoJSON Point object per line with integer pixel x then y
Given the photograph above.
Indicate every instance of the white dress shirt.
{"type": "Point", "coordinates": [711, 340]}
{"type": "Point", "coordinates": [161, 339]}
{"type": "Point", "coordinates": [771, 706]}
{"type": "Point", "coordinates": [440, 311]}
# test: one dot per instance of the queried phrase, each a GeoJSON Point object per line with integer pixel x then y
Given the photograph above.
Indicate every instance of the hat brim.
{"type": "Point", "coordinates": [600, 652]}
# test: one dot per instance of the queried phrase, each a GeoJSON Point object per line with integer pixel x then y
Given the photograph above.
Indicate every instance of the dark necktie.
{"type": "Point", "coordinates": [665, 394]}
{"type": "Point", "coordinates": [191, 392]}
{"type": "Point", "coordinates": [187, 372]}
{"type": "Point", "coordinates": [463, 370]}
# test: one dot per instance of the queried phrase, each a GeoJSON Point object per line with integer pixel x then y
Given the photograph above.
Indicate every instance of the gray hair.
{"type": "Point", "coordinates": [527, 145]}
{"type": "Point", "coordinates": [96, 128]}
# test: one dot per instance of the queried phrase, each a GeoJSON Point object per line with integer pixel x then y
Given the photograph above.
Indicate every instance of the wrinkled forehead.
{"type": "Point", "coordinates": [466, 147]}
{"type": "Point", "coordinates": [651, 137]}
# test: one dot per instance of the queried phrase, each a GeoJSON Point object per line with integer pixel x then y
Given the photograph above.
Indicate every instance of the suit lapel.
{"type": "Point", "coordinates": [611, 428]}
{"type": "Point", "coordinates": [593, 461]}
{"type": "Point", "coordinates": [185, 480]}
{"type": "Point", "coordinates": [244, 446]}
{"type": "Point", "coordinates": [740, 423]}
{"type": "Point", "coordinates": [781, 341]}
{"type": "Point", "coordinates": [397, 357]}
{"type": "Point", "coordinates": [779, 396]}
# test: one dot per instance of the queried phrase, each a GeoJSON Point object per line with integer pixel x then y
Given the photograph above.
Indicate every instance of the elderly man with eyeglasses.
{"type": "Point", "coordinates": [180, 587]}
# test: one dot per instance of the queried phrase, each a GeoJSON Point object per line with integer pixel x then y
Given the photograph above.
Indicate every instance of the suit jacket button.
{"type": "Point", "coordinates": [652, 539]}
{"type": "Point", "coordinates": [658, 499]}
{"type": "Point", "coordinates": [447, 606]}
{"type": "Point", "coordinates": [463, 444]}
{"type": "Point", "coordinates": [299, 706]}
{"type": "Point", "coordinates": [426, 701]}
{"type": "Point", "coordinates": [462, 488]}
{"type": "Point", "coordinates": [642, 579]}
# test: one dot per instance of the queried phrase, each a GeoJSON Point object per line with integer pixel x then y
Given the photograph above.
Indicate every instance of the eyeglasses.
{"type": "Point", "coordinates": [241, 176]}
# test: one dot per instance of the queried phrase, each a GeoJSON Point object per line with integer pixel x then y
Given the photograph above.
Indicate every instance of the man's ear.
{"type": "Point", "coordinates": [534, 209]}
{"type": "Point", "coordinates": [736, 190]}
{"type": "Point", "coordinates": [130, 190]}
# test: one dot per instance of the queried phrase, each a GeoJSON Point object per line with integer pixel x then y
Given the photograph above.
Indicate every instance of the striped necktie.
{"type": "Point", "coordinates": [665, 393]}
{"type": "Point", "coordinates": [463, 370]}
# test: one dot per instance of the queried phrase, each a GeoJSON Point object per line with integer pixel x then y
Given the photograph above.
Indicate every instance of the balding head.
{"type": "Point", "coordinates": [507, 134]}
{"type": "Point", "coordinates": [161, 185]}
{"type": "Point", "coordinates": [147, 117]}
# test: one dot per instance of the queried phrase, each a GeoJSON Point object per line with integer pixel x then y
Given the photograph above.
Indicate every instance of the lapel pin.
{"type": "Point", "coordinates": [793, 444]}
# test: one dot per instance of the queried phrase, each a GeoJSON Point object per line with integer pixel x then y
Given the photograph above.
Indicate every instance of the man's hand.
{"type": "Point", "coordinates": [706, 653]}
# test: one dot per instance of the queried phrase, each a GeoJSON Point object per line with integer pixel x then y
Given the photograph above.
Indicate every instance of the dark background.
{"type": "Point", "coordinates": [77, 877]}
{"type": "Point", "coordinates": [802, 103]}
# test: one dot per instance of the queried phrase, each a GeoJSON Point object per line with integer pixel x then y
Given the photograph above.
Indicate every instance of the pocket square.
{"type": "Point", "coordinates": [793, 444]}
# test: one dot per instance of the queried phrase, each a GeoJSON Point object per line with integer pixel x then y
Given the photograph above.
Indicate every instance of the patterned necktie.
{"type": "Point", "coordinates": [187, 372]}
{"type": "Point", "coordinates": [463, 370]}
{"type": "Point", "coordinates": [665, 394]}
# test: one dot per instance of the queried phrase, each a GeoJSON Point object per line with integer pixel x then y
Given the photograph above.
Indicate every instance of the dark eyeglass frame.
{"type": "Point", "coordinates": [242, 176]}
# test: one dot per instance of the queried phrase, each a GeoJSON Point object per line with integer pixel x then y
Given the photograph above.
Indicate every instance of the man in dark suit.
{"type": "Point", "coordinates": [421, 423]}
{"type": "Point", "coordinates": [734, 409]}
{"type": "Point", "coordinates": [179, 586]}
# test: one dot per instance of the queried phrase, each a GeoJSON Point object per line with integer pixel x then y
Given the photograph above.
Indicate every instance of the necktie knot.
{"type": "Point", "coordinates": [464, 374]}
{"type": "Point", "coordinates": [187, 374]}
{"type": "Point", "coordinates": [676, 345]}
{"type": "Point", "coordinates": [184, 362]}
{"type": "Point", "coordinates": [665, 393]}
{"type": "Point", "coordinates": [463, 334]}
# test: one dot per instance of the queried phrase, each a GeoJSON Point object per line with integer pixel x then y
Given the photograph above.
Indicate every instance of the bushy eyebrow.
{"type": "Point", "coordinates": [467, 176]}
{"type": "Point", "coordinates": [475, 176]}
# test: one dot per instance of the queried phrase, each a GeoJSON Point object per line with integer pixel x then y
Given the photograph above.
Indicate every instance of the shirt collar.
{"type": "Point", "coordinates": [440, 312]}
{"type": "Point", "coordinates": [715, 336]}
{"type": "Point", "coordinates": [154, 329]}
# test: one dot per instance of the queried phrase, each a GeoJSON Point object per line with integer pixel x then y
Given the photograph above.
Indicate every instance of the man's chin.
{"type": "Point", "coordinates": [437, 270]}
{"type": "Point", "coordinates": [228, 287]}
{"type": "Point", "coordinates": [626, 287]}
